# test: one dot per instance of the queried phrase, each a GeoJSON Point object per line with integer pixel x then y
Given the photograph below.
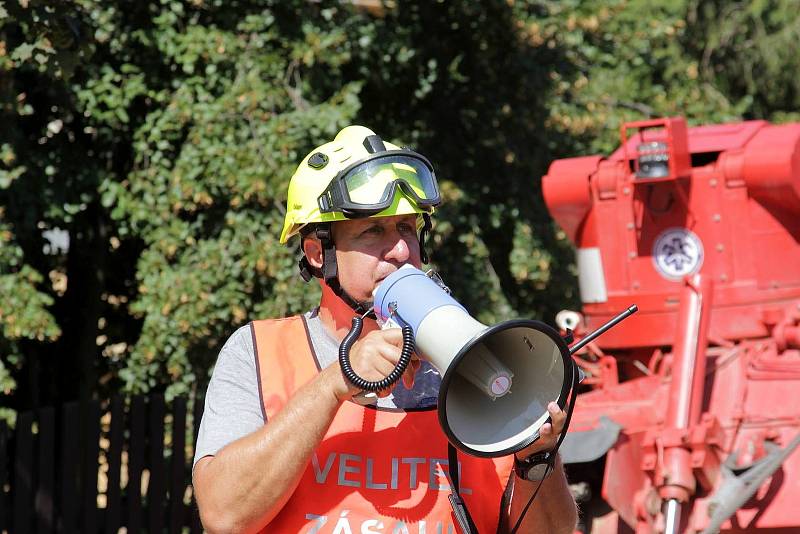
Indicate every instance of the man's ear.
{"type": "Point", "coordinates": [312, 249]}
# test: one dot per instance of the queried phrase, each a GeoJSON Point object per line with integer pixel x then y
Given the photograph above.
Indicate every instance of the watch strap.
{"type": "Point", "coordinates": [535, 467]}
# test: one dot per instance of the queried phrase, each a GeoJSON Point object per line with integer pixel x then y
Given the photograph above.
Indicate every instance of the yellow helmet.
{"type": "Point", "coordinates": [358, 175]}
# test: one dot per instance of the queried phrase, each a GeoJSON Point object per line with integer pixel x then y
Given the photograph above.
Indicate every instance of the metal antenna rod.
{"type": "Point", "coordinates": [624, 315]}
{"type": "Point", "coordinates": [672, 514]}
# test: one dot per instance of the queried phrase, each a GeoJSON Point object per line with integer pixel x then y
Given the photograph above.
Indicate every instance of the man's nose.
{"type": "Point", "coordinates": [400, 250]}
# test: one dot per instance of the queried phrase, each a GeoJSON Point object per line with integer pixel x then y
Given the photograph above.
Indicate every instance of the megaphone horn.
{"type": "Point", "coordinates": [496, 381]}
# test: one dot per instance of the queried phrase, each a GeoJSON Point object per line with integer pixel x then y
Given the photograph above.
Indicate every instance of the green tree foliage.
{"type": "Point", "coordinates": [749, 51]}
{"type": "Point", "coordinates": [158, 137]}
{"type": "Point", "coordinates": [710, 61]}
{"type": "Point", "coordinates": [475, 100]}
{"type": "Point", "coordinates": [239, 110]}
{"type": "Point", "coordinates": [27, 321]}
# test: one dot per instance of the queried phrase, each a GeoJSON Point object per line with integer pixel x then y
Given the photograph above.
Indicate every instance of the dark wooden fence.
{"type": "Point", "coordinates": [99, 467]}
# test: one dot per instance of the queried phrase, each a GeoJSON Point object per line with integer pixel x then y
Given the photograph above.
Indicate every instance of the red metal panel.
{"type": "Point", "coordinates": [705, 139]}
{"type": "Point", "coordinates": [625, 488]}
{"type": "Point", "coordinates": [566, 188]}
{"type": "Point", "coordinates": [743, 212]}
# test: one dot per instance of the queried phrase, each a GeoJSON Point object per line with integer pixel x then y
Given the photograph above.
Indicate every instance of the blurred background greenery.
{"type": "Point", "coordinates": [145, 149]}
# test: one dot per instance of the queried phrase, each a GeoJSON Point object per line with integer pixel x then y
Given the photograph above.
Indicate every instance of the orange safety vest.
{"type": "Point", "coordinates": [376, 470]}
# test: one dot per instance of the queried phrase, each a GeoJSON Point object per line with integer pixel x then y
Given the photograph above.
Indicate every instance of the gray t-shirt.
{"type": "Point", "coordinates": [233, 404]}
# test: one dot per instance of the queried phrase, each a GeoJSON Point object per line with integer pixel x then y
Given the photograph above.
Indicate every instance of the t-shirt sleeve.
{"type": "Point", "coordinates": [232, 404]}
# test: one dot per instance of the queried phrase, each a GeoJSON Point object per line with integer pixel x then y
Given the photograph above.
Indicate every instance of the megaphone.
{"type": "Point", "coordinates": [496, 380]}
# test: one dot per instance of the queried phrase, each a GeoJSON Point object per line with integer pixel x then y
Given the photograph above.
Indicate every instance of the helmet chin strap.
{"type": "Point", "coordinates": [330, 270]}
{"type": "Point", "coordinates": [423, 233]}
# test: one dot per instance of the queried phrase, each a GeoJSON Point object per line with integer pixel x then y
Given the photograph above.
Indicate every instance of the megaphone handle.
{"type": "Point", "coordinates": [394, 376]}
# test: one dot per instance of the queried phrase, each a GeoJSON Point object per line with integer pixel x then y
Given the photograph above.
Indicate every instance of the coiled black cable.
{"type": "Point", "coordinates": [394, 376]}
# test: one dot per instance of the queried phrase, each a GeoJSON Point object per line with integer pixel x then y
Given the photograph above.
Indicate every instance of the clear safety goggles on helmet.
{"type": "Point", "coordinates": [368, 186]}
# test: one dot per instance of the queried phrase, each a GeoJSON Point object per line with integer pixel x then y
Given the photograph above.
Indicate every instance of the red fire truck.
{"type": "Point", "coordinates": [690, 412]}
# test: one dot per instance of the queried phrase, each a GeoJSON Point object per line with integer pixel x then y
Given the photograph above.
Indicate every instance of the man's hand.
{"type": "Point", "coordinates": [373, 358]}
{"type": "Point", "coordinates": [553, 510]}
{"type": "Point", "coordinates": [548, 434]}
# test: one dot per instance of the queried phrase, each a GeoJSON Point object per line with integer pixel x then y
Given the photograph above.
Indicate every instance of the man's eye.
{"type": "Point", "coordinates": [406, 228]}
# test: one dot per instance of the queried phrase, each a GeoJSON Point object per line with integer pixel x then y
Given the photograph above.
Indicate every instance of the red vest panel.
{"type": "Point", "coordinates": [376, 470]}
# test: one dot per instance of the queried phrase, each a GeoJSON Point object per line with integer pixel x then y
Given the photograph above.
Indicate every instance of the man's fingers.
{"type": "Point", "coordinates": [393, 336]}
{"type": "Point", "coordinates": [546, 431]}
{"type": "Point", "coordinates": [385, 364]}
{"type": "Point", "coordinates": [376, 355]}
{"type": "Point", "coordinates": [557, 416]}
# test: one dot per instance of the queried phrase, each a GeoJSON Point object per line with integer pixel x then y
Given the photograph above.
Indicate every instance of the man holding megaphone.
{"type": "Point", "coordinates": [291, 442]}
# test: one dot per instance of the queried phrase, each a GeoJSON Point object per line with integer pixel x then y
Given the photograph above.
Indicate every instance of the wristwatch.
{"type": "Point", "coordinates": [535, 467]}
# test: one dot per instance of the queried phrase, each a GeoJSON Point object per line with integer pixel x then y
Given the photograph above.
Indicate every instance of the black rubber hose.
{"type": "Point", "coordinates": [394, 376]}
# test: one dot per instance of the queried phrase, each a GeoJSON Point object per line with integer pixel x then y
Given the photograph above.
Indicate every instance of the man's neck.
{"type": "Point", "coordinates": [337, 316]}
